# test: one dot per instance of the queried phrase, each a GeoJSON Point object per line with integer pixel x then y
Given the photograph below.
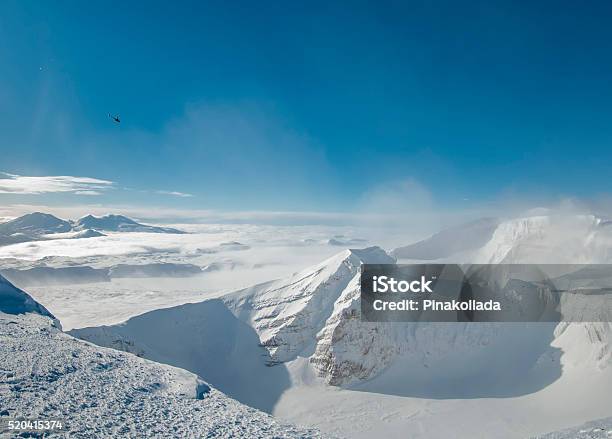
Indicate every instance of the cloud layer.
{"type": "Point", "coordinates": [175, 194]}
{"type": "Point", "coordinates": [21, 185]}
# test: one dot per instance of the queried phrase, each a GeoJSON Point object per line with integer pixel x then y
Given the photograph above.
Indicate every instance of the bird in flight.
{"type": "Point", "coordinates": [115, 118]}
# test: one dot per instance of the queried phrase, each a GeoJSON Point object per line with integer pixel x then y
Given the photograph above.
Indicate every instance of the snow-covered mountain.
{"type": "Point", "coordinates": [315, 314]}
{"type": "Point", "coordinates": [118, 223]}
{"type": "Point", "coordinates": [36, 223]}
{"type": "Point", "coordinates": [228, 341]}
{"type": "Point", "coordinates": [43, 226]}
{"type": "Point", "coordinates": [541, 239]}
{"type": "Point", "coordinates": [288, 314]}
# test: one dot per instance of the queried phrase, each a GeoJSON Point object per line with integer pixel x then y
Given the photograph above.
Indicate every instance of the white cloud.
{"type": "Point", "coordinates": [88, 193]}
{"type": "Point", "coordinates": [22, 185]}
{"type": "Point", "coordinates": [174, 193]}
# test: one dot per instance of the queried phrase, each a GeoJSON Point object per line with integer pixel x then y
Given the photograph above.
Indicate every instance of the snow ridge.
{"type": "Point", "coordinates": [15, 301]}
{"type": "Point", "coordinates": [287, 314]}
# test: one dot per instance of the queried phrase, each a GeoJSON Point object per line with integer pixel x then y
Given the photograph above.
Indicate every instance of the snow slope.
{"type": "Point", "coordinates": [204, 338]}
{"type": "Point", "coordinates": [599, 429]}
{"type": "Point", "coordinates": [97, 392]}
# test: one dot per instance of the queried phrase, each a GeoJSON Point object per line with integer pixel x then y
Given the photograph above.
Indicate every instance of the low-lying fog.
{"type": "Point", "coordinates": [105, 280]}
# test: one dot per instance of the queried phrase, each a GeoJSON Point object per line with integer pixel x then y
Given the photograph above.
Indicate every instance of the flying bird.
{"type": "Point", "coordinates": [115, 118]}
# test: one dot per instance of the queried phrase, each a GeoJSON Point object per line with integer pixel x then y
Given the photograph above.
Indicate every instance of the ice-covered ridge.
{"type": "Point", "coordinates": [288, 313]}
{"type": "Point", "coordinates": [15, 301]}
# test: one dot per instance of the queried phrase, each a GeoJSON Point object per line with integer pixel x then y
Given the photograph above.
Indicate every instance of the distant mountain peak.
{"type": "Point", "coordinates": [118, 223]}
{"type": "Point", "coordinates": [36, 223]}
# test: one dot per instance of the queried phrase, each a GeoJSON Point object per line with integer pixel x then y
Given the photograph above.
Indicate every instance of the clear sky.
{"type": "Point", "coordinates": [303, 105]}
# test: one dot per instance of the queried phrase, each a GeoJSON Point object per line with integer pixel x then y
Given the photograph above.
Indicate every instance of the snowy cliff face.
{"type": "Point", "coordinates": [287, 314]}
{"type": "Point", "coordinates": [587, 344]}
{"type": "Point", "coordinates": [316, 314]}
{"type": "Point", "coordinates": [348, 349]}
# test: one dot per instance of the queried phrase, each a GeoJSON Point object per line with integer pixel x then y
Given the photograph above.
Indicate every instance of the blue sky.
{"type": "Point", "coordinates": [305, 106]}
